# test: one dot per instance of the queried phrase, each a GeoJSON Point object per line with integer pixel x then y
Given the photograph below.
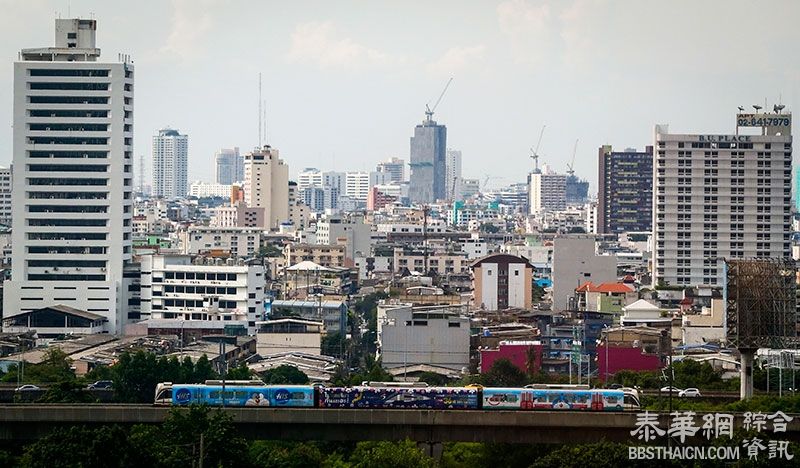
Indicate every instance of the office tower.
{"type": "Point", "coordinates": [309, 177]}
{"type": "Point", "coordinates": [625, 190]}
{"type": "Point", "coordinates": [453, 174]}
{"type": "Point", "coordinates": [266, 185]}
{"type": "Point", "coordinates": [73, 163]}
{"type": "Point", "coordinates": [170, 154]}
{"type": "Point", "coordinates": [548, 191]}
{"type": "Point", "coordinates": [229, 166]}
{"type": "Point", "coordinates": [5, 195]}
{"type": "Point", "coordinates": [428, 162]}
{"type": "Point", "coordinates": [720, 196]}
{"type": "Point", "coordinates": [395, 167]}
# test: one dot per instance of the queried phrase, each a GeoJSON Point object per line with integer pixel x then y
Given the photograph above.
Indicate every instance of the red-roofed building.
{"type": "Point", "coordinates": [605, 297]}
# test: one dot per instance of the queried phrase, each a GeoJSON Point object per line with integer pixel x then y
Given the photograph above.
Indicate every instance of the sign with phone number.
{"type": "Point", "coordinates": [763, 120]}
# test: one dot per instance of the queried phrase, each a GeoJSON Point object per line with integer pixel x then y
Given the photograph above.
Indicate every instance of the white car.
{"type": "Point", "coordinates": [27, 387]}
{"type": "Point", "coordinates": [690, 393]}
{"type": "Point", "coordinates": [669, 389]}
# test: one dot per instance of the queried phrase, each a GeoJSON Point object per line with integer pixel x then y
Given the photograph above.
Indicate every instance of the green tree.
{"type": "Point", "coordinates": [285, 374]}
{"type": "Point", "coordinates": [240, 372]}
{"type": "Point", "coordinates": [276, 454]}
{"type": "Point", "coordinates": [432, 378]}
{"type": "Point", "coordinates": [67, 391]}
{"type": "Point", "coordinates": [504, 374]}
{"type": "Point", "coordinates": [84, 447]}
{"type": "Point", "coordinates": [600, 454]}
{"type": "Point", "coordinates": [203, 370]}
{"type": "Point", "coordinates": [403, 454]}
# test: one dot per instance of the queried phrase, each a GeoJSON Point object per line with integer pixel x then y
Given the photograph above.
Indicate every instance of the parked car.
{"type": "Point", "coordinates": [26, 388]}
{"type": "Point", "coordinates": [690, 393]}
{"type": "Point", "coordinates": [101, 385]}
{"type": "Point", "coordinates": [669, 389]}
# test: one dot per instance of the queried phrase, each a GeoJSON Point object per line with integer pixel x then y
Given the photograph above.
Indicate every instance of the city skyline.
{"type": "Point", "coordinates": [355, 63]}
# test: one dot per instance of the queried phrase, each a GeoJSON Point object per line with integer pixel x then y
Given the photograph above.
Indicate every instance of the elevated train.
{"type": "Point", "coordinates": [397, 395]}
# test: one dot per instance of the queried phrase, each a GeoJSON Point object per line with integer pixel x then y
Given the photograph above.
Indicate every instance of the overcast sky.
{"type": "Point", "coordinates": [346, 81]}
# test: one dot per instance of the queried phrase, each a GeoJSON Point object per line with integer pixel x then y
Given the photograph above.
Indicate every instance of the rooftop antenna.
{"type": "Point", "coordinates": [266, 140]}
{"type": "Point", "coordinates": [259, 111]}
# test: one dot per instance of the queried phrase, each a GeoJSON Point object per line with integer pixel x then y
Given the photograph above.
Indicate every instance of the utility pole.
{"type": "Point", "coordinates": [202, 446]}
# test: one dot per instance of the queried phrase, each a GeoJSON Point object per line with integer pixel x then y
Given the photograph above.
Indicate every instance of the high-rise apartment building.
{"type": "Point", "coordinates": [309, 177]}
{"type": "Point", "coordinates": [453, 174]}
{"type": "Point", "coordinates": [5, 195]}
{"type": "Point", "coordinates": [428, 147]}
{"type": "Point", "coordinates": [721, 196]}
{"type": "Point", "coordinates": [170, 164]}
{"type": "Point", "coordinates": [229, 166]}
{"type": "Point", "coordinates": [625, 190]}
{"type": "Point", "coordinates": [73, 163]}
{"type": "Point", "coordinates": [266, 185]}
{"type": "Point", "coordinates": [548, 191]}
{"type": "Point", "coordinates": [395, 167]}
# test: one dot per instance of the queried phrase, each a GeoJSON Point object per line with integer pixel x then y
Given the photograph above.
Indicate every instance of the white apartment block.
{"type": "Point", "coordinates": [452, 169]}
{"type": "Point", "coordinates": [5, 195]}
{"type": "Point", "coordinates": [204, 189]}
{"type": "Point", "coordinates": [266, 185]}
{"type": "Point", "coordinates": [719, 196]}
{"type": "Point", "coordinates": [548, 191]}
{"type": "Point", "coordinates": [242, 242]}
{"type": "Point", "coordinates": [309, 177]}
{"type": "Point", "coordinates": [72, 190]}
{"type": "Point", "coordinates": [172, 287]}
{"type": "Point", "coordinates": [170, 164]}
{"type": "Point", "coordinates": [395, 167]}
{"type": "Point", "coordinates": [357, 184]}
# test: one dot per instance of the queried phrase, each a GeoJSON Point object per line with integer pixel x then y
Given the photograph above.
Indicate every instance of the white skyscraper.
{"type": "Point", "coordinates": [73, 163]}
{"type": "Point", "coordinates": [266, 185]}
{"type": "Point", "coordinates": [547, 191]}
{"type": "Point", "coordinates": [452, 167]}
{"type": "Point", "coordinates": [229, 166]}
{"type": "Point", "coordinates": [721, 196]}
{"type": "Point", "coordinates": [170, 160]}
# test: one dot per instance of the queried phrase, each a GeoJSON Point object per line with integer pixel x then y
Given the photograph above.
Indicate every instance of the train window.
{"type": "Point", "coordinates": [165, 395]}
{"type": "Point", "coordinates": [297, 396]}
{"type": "Point", "coordinates": [240, 394]}
{"type": "Point", "coordinates": [611, 399]}
{"type": "Point", "coordinates": [213, 394]}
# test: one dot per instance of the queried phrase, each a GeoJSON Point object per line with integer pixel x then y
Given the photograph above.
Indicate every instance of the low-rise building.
{"type": "Point", "coordinates": [222, 241]}
{"type": "Point", "coordinates": [525, 355]}
{"type": "Point", "coordinates": [436, 336]}
{"type": "Point", "coordinates": [324, 255]}
{"type": "Point", "coordinates": [173, 288]}
{"type": "Point", "coordinates": [502, 281]}
{"type": "Point", "coordinates": [332, 314]}
{"type": "Point", "coordinates": [289, 335]}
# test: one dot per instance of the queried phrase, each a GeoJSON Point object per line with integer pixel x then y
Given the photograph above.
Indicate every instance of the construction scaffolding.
{"type": "Point", "coordinates": [761, 309]}
{"type": "Point", "coordinates": [761, 303]}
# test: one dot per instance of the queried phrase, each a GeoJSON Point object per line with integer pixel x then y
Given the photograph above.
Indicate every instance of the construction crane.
{"type": "Point", "coordinates": [571, 166]}
{"type": "Point", "coordinates": [430, 110]}
{"type": "Point", "coordinates": [535, 152]}
{"type": "Point", "coordinates": [486, 181]}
